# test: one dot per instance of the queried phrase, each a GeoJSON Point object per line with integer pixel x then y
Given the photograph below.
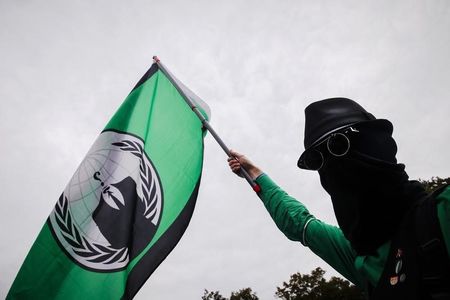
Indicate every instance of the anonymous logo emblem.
{"type": "Point", "coordinates": [111, 208]}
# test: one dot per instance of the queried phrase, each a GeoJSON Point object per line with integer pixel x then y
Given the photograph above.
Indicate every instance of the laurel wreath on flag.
{"type": "Point", "coordinates": [149, 183]}
{"type": "Point", "coordinates": [94, 252]}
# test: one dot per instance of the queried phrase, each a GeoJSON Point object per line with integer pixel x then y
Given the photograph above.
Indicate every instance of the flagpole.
{"type": "Point", "coordinates": [206, 124]}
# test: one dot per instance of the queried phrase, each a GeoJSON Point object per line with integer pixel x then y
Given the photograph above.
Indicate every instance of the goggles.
{"type": "Point", "coordinates": [336, 144]}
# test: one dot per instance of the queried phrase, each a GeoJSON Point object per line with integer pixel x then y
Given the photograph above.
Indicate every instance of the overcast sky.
{"type": "Point", "coordinates": [66, 66]}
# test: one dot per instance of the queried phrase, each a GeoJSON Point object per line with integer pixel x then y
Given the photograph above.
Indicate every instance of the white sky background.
{"type": "Point", "coordinates": [66, 67]}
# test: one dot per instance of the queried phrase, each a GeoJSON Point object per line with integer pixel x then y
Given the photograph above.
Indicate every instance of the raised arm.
{"type": "Point", "coordinates": [296, 222]}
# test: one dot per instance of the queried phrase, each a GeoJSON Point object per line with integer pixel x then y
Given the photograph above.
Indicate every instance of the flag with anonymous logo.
{"type": "Point", "coordinates": [128, 203]}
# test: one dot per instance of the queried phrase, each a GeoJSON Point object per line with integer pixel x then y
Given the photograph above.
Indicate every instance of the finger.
{"type": "Point", "coordinates": [236, 169]}
{"type": "Point", "coordinates": [231, 158]}
{"type": "Point", "coordinates": [234, 163]}
{"type": "Point", "coordinates": [235, 154]}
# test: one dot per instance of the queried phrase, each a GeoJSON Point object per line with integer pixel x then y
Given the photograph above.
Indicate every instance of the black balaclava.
{"type": "Point", "coordinates": [370, 191]}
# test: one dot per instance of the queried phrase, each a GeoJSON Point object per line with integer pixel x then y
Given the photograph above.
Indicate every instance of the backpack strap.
{"type": "Point", "coordinates": [433, 256]}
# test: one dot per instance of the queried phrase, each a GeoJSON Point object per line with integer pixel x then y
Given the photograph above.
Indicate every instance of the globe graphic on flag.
{"type": "Point", "coordinates": [114, 187]}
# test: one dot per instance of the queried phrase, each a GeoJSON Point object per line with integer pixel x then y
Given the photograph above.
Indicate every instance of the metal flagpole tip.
{"type": "Point", "coordinates": [156, 59]}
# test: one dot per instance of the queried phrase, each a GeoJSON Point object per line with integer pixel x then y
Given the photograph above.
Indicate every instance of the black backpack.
{"type": "Point", "coordinates": [418, 264]}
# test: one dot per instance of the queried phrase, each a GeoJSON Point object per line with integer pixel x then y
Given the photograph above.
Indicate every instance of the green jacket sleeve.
{"type": "Point", "coordinates": [295, 221]}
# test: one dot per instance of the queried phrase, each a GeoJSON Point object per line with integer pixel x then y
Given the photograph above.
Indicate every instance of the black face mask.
{"type": "Point", "coordinates": [369, 190]}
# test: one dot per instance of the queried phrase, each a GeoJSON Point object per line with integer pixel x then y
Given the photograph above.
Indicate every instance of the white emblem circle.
{"type": "Point", "coordinates": [115, 156]}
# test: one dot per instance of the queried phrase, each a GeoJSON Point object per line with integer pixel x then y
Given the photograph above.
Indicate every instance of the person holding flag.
{"type": "Point", "coordinates": [393, 239]}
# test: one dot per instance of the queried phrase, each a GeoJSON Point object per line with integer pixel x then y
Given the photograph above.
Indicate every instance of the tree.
{"type": "Point", "coordinates": [244, 294]}
{"type": "Point", "coordinates": [434, 183]}
{"type": "Point", "coordinates": [212, 295]}
{"type": "Point", "coordinates": [315, 287]}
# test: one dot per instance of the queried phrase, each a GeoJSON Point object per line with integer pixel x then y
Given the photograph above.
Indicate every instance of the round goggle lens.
{"type": "Point", "coordinates": [338, 144]}
{"type": "Point", "coordinates": [313, 160]}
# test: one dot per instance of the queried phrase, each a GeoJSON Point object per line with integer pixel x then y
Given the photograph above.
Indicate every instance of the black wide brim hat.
{"type": "Point", "coordinates": [327, 116]}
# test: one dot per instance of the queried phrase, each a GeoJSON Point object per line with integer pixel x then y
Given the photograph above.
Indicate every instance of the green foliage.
{"type": "Point", "coordinates": [242, 294]}
{"type": "Point", "coordinates": [301, 285]}
{"type": "Point", "coordinates": [212, 295]}
{"type": "Point", "coordinates": [315, 287]}
{"type": "Point", "coordinates": [434, 183]}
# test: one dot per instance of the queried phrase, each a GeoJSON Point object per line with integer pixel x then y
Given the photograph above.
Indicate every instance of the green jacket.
{"type": "Point", "coordinates": [328, 241]}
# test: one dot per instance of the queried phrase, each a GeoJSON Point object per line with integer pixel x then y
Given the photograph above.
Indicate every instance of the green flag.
{"type": "Point", "coordinates": [128, 203]}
